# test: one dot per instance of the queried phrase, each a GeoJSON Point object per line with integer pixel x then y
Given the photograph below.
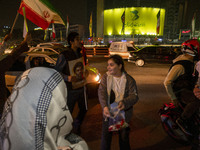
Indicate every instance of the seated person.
{"type": "Point", "coordinates": [35, 62]}
{"type": "Point", "coordinates": [39, 62]}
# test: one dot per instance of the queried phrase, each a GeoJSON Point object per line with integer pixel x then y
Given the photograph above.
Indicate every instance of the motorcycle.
{"type": "Point", "coordinates": [168, 114]}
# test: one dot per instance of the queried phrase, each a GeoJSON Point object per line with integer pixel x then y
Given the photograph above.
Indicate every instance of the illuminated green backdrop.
{"type": "Point", "coordinates": [138, 20]}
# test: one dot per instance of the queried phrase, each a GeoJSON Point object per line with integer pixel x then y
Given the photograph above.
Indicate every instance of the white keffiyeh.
{"type": "Point", "coordinates": [36, 116]}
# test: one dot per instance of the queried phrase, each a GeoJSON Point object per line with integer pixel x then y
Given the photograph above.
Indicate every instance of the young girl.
{"type": "Point", "coordinates": [117, 86]}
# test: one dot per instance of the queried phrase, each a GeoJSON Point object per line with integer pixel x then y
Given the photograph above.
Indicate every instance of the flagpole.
{"type": "Point", "coordinates": [14, 22]}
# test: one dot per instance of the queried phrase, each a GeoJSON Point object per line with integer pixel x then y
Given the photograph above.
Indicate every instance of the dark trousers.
{"type": "Point", "coordinates": [106, 138]}
{"type": "Point", "coordinates": [74, 96]}
{"type": "Point", "coordinates": [192, 103]}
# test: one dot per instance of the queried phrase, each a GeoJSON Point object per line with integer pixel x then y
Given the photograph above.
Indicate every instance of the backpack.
{"type": "Point", "coordinates": [188, 79]}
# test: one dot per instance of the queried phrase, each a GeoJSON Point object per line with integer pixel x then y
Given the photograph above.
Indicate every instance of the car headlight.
{"type": "Point", "coordinates": [97, 78]}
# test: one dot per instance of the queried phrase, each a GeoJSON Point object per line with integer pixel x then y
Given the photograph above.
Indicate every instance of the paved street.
{"type": "Point", "coordinates": [146, 129]}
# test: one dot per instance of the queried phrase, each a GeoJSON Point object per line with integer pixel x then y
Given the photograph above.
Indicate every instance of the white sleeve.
{"type": "Point", "coordinates": [173, 74]}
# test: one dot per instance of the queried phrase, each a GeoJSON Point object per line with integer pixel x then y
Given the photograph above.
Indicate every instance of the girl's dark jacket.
{"type": "Point", "coordinates": [130, 95]}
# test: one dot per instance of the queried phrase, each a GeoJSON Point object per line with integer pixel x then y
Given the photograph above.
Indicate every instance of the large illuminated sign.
{"type": "Point", "coordinates": [135, 20]}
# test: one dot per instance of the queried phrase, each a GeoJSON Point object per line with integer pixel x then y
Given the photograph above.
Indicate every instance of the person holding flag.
{"type": "Point", "coordinates": [6, 61]}
{"type": "Point", "coordinates": [63, 66]}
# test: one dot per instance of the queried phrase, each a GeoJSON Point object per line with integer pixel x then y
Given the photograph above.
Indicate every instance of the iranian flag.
{"type": "Point", "coordinates": [67, 27]}
{"type": "Point", "coordinates": [53, 31]}
{"type": "Point", "coordinates": [40, 12]}
{"type": "Point", "coordinates": [158, 23]}
{"type": "Point", "coordinates": [193, 24]}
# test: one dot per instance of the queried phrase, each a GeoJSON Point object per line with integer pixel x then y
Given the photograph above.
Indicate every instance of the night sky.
{"type": "Point", "coordinates": [74, 9]}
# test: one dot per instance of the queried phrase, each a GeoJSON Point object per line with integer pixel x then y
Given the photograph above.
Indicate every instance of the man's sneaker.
{"type": "Point", "coordinates": [182, 124]}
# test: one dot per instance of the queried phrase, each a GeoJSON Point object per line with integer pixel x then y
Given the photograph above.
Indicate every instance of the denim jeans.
{"type": "Point", "coordinates": [106, 138]}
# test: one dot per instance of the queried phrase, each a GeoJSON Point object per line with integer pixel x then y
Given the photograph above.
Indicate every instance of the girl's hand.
{"type": "Point", "coordinates": [121, 105]}
{"type": "Point", "coordinates": [106, 112]}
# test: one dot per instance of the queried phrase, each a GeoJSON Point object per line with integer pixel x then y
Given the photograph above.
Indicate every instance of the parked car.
{"type": "Point", "coordinates": [29, 60]}
{"type": "Point", "coordinates": [54, 49]}
{"type": "Point", "coordinates": [160, 54]}
{"type": "Point", "coordinates": [50, 44]}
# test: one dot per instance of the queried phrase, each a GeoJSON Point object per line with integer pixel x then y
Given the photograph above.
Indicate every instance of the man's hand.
{"type": "Point", "coordinates": [175, 102]}
{"type": "Point", "coordinates": [121, 105]}
{"type": "Point", "coordinates": [72, 79]}
{"type": "Point", "coordinates": [28, 37]}
{"type": "Point", "coordinates": [196, 92]}
{"type": "Point", "coordinates": [106, 112]}
{"type": "Point", "coordinates": [64, 148]}
{"type": "Point", "coordinates": [7, 37]}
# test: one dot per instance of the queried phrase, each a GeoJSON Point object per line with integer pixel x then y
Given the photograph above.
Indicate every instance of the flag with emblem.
{"type": "Point", "coordinates": [25, 30]}
{"type": "Point", "coordinates": [53, 31]}
{"type": "Point", "coordinates": [40, 12]}
{"type": "Point", "coordinates": [193, 24]}
{"type": "Point", "coordinates": [67, 26]}
{"type": "Point", "coordinates": [123, 22]}
{"type": "Point", "coordinates": [158, 23]}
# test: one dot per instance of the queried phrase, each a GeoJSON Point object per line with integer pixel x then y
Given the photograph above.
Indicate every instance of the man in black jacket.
{"type": "Point", "coordinates": [62, 66]}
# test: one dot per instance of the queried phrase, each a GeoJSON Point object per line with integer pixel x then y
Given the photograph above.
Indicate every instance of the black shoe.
{"type": "Point", "coordinates": [182, 124]}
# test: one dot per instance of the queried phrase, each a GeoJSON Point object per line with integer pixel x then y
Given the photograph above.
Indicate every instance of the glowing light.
{"type": "Point", "coordinates": [97, 78]}
{"type": "Point", "coordinates": [127, 33]}
{"type": "Point", "coordinates": [138, 20]}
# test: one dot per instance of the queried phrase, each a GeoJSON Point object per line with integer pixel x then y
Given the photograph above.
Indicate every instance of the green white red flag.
{"type": "Point", "coordinates": [193, 24]}
{"type": "Point", "coordinates": [53, 31]}
{"type": "Point", "coordinates": [123, 22]}
{"type": "Point", "coordinates": [158, 23]}
{"type": "Point", "coordinates": [40, 12]}
{"type": "Point", "coordinates": [25, 30]}
{"type": "Point", "coordinates": [67, 27]}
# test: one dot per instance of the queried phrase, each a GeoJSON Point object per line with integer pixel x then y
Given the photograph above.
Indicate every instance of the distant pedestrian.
{"type": "Point", "coordinates": [117, 87]}
{"type": "Point", "coordinates": [73, 53]}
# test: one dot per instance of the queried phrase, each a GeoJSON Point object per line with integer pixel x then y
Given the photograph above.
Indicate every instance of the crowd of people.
{"type": "Point", "coordinates": [38, 113]}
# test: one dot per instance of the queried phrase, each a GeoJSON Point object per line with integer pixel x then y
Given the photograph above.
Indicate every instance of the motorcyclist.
{"type": "Point", "coordinates": [180, 81]}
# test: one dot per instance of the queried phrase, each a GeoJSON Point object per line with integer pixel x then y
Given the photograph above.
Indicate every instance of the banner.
{"type": "Point", "coordinates": [138, 21]}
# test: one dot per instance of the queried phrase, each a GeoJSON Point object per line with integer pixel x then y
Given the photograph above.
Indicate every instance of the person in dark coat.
{"type": "Point", "coordinates": [6, 62]}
